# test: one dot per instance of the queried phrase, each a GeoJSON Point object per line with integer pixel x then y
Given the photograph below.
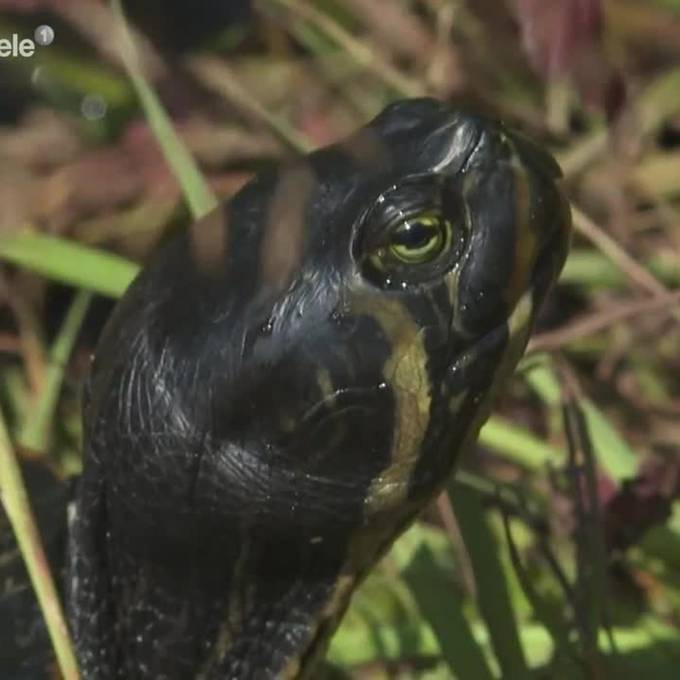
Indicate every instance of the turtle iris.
{"type": "Point", "coordinates": [420, 239]}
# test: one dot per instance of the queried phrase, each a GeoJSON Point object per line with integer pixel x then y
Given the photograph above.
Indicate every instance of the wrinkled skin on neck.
{"type": "Point", "coordinates": [274, 399]}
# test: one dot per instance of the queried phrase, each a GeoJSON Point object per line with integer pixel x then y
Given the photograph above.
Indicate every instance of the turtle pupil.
{"type": "Point", "coordinates": [414, 235]}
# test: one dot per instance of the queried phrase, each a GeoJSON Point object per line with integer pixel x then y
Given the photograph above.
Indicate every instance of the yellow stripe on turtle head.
{"type": "Point", "coordinates": [405, 370]}
{"type": "Point", "coordinates": [526, 240]}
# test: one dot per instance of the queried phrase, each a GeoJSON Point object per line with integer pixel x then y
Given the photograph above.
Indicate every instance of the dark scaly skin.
{"type": "Point", "coordinates": [268, 410]}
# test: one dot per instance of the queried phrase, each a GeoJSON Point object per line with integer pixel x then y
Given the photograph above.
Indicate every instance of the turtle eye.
{"type": "Point", "coordinates": [413, 234]}
{"type": "Point", "coordinates": [419, 239]}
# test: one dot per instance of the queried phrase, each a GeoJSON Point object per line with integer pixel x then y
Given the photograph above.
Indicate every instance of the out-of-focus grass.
{"type": "Point", "coordinates": [525, 617]}
{"type": "Point", "coordinates": [198, 194]}
{"type": "Point", "coordinates": [55, 258]}
{"type": "Point", "coordinates": [51, 256]}
{"type": "Point", "coordinates": [36, 429]}
{"type": "Point", "coordinates": [18, 509]}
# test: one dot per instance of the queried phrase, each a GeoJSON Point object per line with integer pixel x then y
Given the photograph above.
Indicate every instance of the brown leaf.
{"type": "Point", "coordinates": [563, 38]}
{"type": "Point", "coordinates": [641, 503]}
{"type": "Point", "coordinates": [554, 32]}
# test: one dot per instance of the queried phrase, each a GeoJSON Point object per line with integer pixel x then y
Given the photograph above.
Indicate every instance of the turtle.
{"type": "Point", "coordinates": [286, 385]}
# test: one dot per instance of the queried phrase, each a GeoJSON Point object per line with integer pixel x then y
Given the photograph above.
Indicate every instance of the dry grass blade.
{"type": "Point", "coordinates": [30, 341]}
{"type": "Point", "coordinates": [583, 154]}
{"type": "Point", "coordinates": [15, 502]}
{"type": "Point", "coordinates": [659, 102]}
{"type": "Point", "coordinates": [609, 247]}
{"type": "Point", "coordinates": [404, 32]}
{"type": "Point", "coordinates": [357, 50]}
{"type": "Point", "coordinates": [589, 324]}
{"type": "Point", "coordinates": [218, 76]}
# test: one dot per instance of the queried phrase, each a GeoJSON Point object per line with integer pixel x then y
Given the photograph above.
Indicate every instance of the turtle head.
{"type": "Point", "coordinates": [341, 342]}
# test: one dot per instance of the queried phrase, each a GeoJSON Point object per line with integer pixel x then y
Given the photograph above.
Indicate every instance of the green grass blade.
{"type": "Point", "coordinates": [445, 616]}
{"type": "Point", "coordinates": [15, 501]}
{"type": "Point", "coordinates": [35, 432]}
{"type": "Point", "coordinates": [492, 591]}
{"type": "Point", "coordinates": [199, 196]}
{"type": "Point", "coordinates": [69, 262]}
{"type": "Point", "coordinates": [592, 270]}
{"type": "Point", "coordinates": [591, 556]}
{"type": "Point", "coordinates": [354, 645]}
{"type": "Point", "coordinates": [612, 451]}
{"type": "Point", "coordinates": [517, 444]}
{"type": "Point", "coordinates": [548, 608]}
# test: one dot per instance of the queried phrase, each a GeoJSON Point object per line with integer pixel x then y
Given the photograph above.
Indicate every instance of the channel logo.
{"type": "Point", "coordinates": [17, 47]}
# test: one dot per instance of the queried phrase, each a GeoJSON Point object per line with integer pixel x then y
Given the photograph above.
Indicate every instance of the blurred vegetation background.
{"type": "Point", "coordinates": [556, 551]}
